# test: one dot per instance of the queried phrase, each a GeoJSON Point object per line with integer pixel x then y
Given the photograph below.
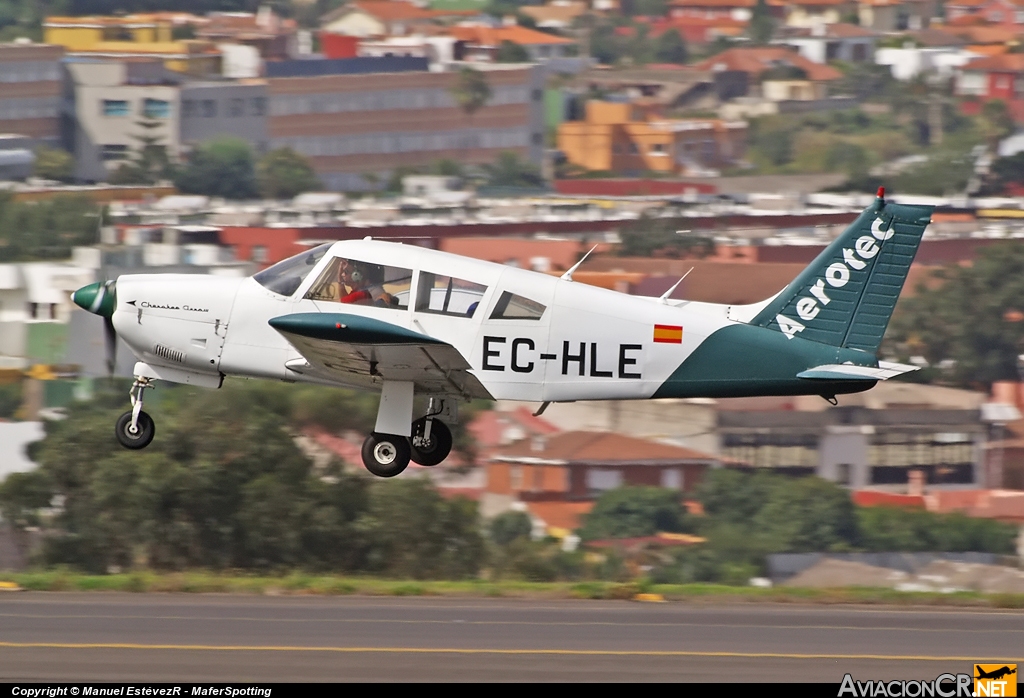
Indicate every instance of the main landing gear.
{"type": "Point", "coordinates": [429, 443]}
{"type": "Point", "coordinates": [135, 429]}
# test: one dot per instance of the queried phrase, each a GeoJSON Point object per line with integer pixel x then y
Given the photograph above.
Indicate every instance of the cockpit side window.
{"type": "Point", "coordinates": [362, 283]}
{"type": "Point", "coordinates": [286, 276]}
{"type": "Point", "coordinates": [511, 306]}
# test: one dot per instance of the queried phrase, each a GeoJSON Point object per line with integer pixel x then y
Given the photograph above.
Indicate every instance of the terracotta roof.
{"type": "Point", "coordinates": [564, 515]}
{"type": "Point", "coordinates": [493, 36]}
{"type": "Point", "coordinates": [986, 34]}
{"type": "Point", "coordinates": [599, 447]}
{"type": "Point", "coordinates": [1010, 62]}
{"type": "Point", "coordinates": [966, 3]}
{"type": "Point", "coordinates": [384, 10]}
{"type": "Point", "coordinates": [1006, 505]}
{"type": "Point", "coordinates": [937, 37]}
{"type": "Point", "coordinates": [554, 14]}
{"type": "Point", "coordinates": [493, 429]}
{"type": "Point", "coordinates": [871, 498]}
{"type": "Point", "coordinates": [756, 60]}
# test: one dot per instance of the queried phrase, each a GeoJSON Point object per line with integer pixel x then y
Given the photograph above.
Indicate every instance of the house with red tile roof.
{"type": "Point", "coordinates": [997, 12]}
{"type": "Point", "coordinates": [831, 42]}
{"type": "Point", "coordinates": [755, 61]}
{"type": "Point", "coordinates": [994, 77]}
{"type": "Point", "coordinates": [377, 18]}
{"type": "Point", "coordinates": [482, 42]}
{"type": "Point", "coordinates": [580, 465]}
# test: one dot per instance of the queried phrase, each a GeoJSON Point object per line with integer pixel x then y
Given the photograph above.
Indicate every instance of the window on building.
{"type": "Point", "coordinates": [601, 479]}
{"type": "Point", "coordinates": [446, 295]}
{"type": "Point", "coordinates": [362, 283]}
{"type": "Point", "coordinates": [115, 107]}
{"type": "Point", "coordinates": [259, 253]}
{"type": "Point", "coordinates": [658, 148]}
{"type": "Point", "coordinates": [672, 478]}
{"type": "Point", "coordinates": [259, 106]}
{"type": "Point", "coordinates": [188, 108]}
{"type": "Point", "coordinates": [537, 139]}
{"type": "Point", "coordinates": [114, 151]}
{"type": "Point", "coordinates": [209, 108]}
{"type": "Point", "coordinates": [156, 108]}
{"type": "Point", "coordinates": [514, 307]}
{"type": "Point", "coordinates": [236, 107]}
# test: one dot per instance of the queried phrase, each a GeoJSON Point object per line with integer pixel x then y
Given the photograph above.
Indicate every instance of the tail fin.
{"type": "Point", "coordinates": [845, 297]}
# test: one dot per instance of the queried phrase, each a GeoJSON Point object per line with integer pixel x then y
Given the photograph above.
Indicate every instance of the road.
{"type": "Point", "coordinates": [217, 638]}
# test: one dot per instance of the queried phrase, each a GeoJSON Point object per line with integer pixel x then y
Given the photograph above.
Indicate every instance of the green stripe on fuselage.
{"type": "Point", "coordinates": [747, 361]}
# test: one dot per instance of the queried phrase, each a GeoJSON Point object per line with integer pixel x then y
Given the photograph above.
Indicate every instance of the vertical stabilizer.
{"type": "Point", "coordinates": [846, 296]}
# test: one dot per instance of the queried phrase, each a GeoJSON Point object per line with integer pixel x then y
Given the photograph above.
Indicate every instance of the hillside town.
{"type": "Point", "coordinates": [700, 150]}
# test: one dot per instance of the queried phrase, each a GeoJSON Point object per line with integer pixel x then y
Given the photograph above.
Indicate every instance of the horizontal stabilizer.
{"type": "Point", "coordinates": [849, 372]}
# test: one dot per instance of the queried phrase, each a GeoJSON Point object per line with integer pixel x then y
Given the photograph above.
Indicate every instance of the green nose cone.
{"type": "Point", "coordinates": [99, 298]}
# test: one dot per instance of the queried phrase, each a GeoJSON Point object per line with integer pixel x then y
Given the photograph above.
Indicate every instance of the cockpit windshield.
{"type": "Point", "coordinates": [287, 275]}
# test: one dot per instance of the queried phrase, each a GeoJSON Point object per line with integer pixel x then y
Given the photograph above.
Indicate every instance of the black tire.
{"type": "Point", "coordinates": [143, 436]}
{"type": "Point", "coordinates": [437, 449]}
{"type": "Point", "coordinates": [385, 455]}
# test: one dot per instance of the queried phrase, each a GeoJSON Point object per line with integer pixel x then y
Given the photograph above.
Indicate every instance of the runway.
{"type": "Point", "coordinates": [220, 638]}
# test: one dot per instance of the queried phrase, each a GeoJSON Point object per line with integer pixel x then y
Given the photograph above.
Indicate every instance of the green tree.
{"type": "Point", "coordinates": [471, 91]}
{"type": "Point", "coordinates": [762, 24]}
{"type": "Point", "coordinates": [509, 170]}
{"type": "Point", "coordinates": [996, 121]}
{"type": "Point", "coordinates": [510, 526]}
{"type": "Point", "coordinates": [971, 319]}
{"type": "Point", "coordinates": [54, 163]}
{"type": "Point", "coordinates": [283, 174]}
{"type": "Point", "coordinates": [511, 52]}
{"type": "Point", "coordinates": [150, 162]}
{"type": "Point", "coordinates": [49, 229]}
{"type": "Point", "coordinates": [222, 167]}
{"type": "Point", "coordinates": [848, 158]}
{"type": "Point", "coordinates": [626, 512]}
{"type": "Point", "coordinates": [670, 48]}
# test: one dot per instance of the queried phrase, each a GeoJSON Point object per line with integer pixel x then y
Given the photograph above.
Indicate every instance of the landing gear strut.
{"type": "Point", "coordinates": [135, 429]}
{"type": "Point", "coordinates": [429, 442]}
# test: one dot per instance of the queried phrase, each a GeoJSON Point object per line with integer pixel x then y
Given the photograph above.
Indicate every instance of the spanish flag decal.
{"type": "Point", "coordinates": [668, 334]}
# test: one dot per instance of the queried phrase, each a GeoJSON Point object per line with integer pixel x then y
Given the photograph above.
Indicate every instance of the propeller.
{"type": "Point", "coordinates": [100, 299]}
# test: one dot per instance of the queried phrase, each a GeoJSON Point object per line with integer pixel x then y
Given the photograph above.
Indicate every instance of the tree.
{"type": "Point", "coordinates": [471, 91]}
{"type": "Point", "coordinates": [762, 24]}
{"type": "Point", "coordinates": [510, 171]}
{"type": "Point", "coordinates": [670, 48]}
{"type": "Point", "coordinates": [996, 121]}
{"type": "Point", "coordinates": [54, 163]}
{"type": "Point", "coordinates": [972, 319]}
{"type": "Point", "coordinates": [150, 162]}
{"type": "Point", "coordinates": [510, 526]}
{"type": "Point", "coordinates": [283, 173]}
{"type": "Point", "coordinates": [511, 52]}
{"type": "Point", "coordinates": [627, 512]}
{"type": "Point", "coordinates": [222, 167]}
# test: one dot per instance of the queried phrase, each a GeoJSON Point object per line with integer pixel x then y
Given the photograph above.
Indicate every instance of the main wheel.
{"type": "Point", "coordinates": [385, 455]}
{"type": "Point", "coordinates": [145, 430]}
{"type": "Point", "coordinates": [436, 448]}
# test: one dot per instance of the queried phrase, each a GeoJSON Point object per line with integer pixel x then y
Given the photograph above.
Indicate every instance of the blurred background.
{"type": "Point", "coordinates": [735, 138]}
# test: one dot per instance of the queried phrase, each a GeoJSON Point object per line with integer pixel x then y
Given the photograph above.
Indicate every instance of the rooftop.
{"type": "Point", "coordinates": [757, 60]}
{"type": "Point", "coordinates": [599, 447]}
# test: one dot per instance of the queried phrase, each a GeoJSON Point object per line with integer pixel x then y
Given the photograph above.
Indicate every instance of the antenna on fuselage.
{"type": "Point", "coordinates": [567, 276]}
{"type": "Point", "coordinates": [664, 297]}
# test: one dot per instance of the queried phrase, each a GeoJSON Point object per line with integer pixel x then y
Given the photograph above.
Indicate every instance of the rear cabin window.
{"type": "Point", "coordinates": [362, 283]}
{"type": "Point", "coordinates": [514, 307]}
{"type": "Point", "coordinates": [446, 295]}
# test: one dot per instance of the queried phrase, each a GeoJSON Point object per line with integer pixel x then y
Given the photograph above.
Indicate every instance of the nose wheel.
{"type": "Point", "coordinates": [135, 429]}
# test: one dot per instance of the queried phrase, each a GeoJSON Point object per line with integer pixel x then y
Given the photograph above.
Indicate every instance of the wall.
{"type": "Point", "coordinates": [30, 90]}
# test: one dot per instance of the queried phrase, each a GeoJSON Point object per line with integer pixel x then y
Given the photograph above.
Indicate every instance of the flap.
{"type": "Point", "coordinates": [366, 351]}
{"type": "Point", "coordinates": [884, 371]}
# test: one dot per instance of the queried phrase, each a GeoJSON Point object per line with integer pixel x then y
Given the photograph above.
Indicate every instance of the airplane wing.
{"type": "Point", "coordinates": [884, 371]}
{"type": "Point", "coordinates": [355, 348]}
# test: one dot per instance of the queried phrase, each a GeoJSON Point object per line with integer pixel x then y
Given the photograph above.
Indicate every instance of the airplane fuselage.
{"type": "Point", "coordinates": [563, 341]}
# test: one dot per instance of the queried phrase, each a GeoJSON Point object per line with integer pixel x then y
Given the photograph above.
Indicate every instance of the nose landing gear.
{"type": "Point", "coordinates": [135, 429]}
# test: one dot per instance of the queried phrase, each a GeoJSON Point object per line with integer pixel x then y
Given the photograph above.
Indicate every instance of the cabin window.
{"type": "Point", "coordinates": [446, 295]}
{"type": "Point", "coordinates": [514, 307]}
{"type": "Point", "coordinates": [286, 276]}
{"type": "Point", "coordinates": [362, 283]}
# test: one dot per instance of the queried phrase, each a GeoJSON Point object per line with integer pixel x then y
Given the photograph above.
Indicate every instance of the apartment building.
{"type": "Point", "coordinates": [358, 128]}
{"type": "Point", "coordinates": [30, 90]}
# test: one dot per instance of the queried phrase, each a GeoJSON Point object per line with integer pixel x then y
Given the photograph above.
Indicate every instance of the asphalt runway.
{"type": "Point", "coordinates": [221, 638]}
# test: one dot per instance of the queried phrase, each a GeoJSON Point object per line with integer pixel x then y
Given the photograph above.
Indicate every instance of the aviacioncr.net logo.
{"type": "Point", "coordinates": [942, 686]}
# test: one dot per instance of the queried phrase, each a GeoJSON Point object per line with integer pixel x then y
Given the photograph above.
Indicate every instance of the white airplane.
{"type": "Point", "coordinates": [409, 321]}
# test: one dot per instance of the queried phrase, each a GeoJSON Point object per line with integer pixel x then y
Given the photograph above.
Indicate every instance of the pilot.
{"type": "Point", "coordinates": [364, 284]}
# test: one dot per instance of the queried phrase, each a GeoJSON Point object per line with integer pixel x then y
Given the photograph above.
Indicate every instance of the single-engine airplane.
{"type": "Point", "coordinates": [409, 321]}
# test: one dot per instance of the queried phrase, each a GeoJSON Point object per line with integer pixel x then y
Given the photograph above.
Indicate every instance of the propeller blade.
{"type": "Point", "coordinates": [111, 340]}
